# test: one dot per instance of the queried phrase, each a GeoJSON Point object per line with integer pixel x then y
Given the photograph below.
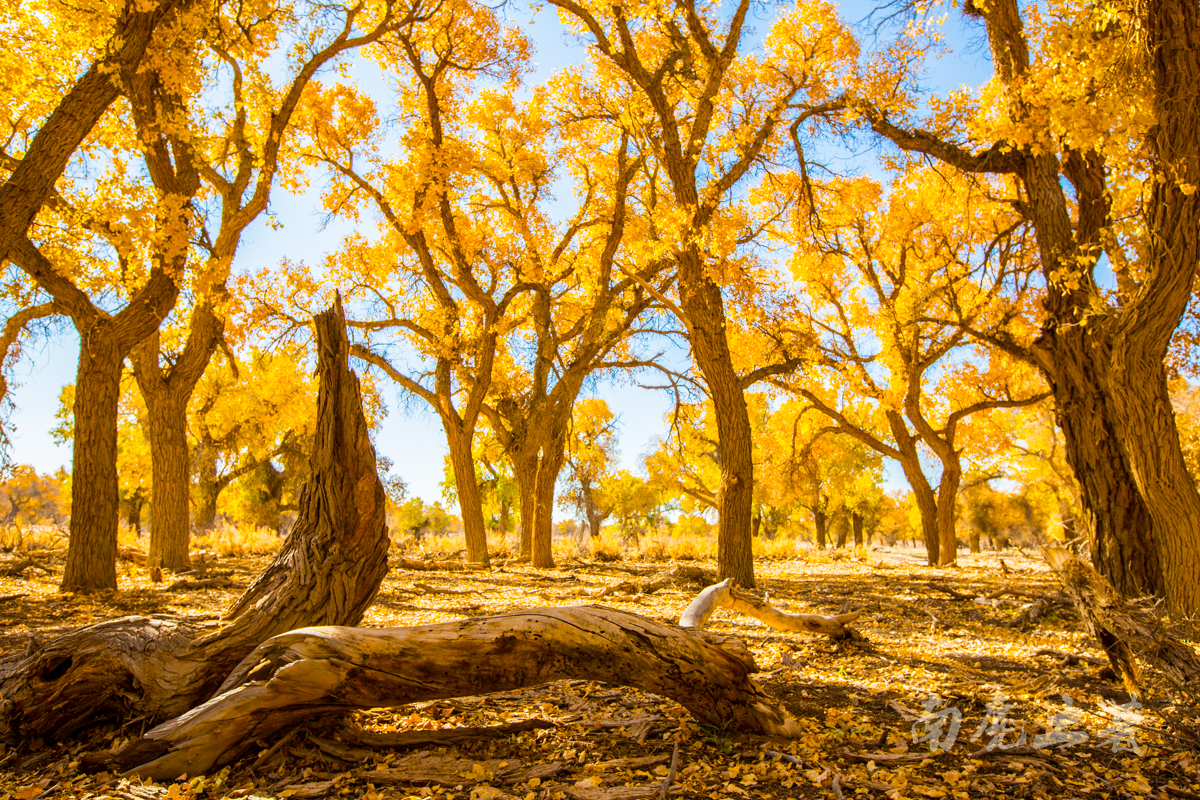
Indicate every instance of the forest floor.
{"type": "Point", "coordinates": [937, 646]}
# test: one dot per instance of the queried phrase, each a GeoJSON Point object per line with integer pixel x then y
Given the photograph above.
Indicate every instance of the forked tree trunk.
{"type": "Point", "coordinates": [327, 573]}
{"type": "Point", "coordinates": [927, 507]}
{"type": "Point", "coordinates": [91, 563]}
{"type": "Point", "coordinates": [167, 393]}
{"type": "Point", "coordinates": [304, 674]}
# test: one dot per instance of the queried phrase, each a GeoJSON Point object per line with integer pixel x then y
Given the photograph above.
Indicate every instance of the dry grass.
{"type": "Point", "coordinates": [238, 541]}
{"type": "Point", "coordinates": [15, 538]}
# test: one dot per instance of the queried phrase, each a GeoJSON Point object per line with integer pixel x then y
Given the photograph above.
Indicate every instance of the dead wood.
{"type": "Point", "coordinates": [304, 674]}
{"type": "Point", "coordinates": [16, 569]}
{"type": "Point", "coordinates": [682, 575]}
{"type": "Point", "coordinates": [400, 740]}
{"type": "Point", "coordinates": [1070, 659]}
{"type": "Point", "coordinates": [135, 554]}
{"type": "Point", "coordinates": [1126, 627]}
{"type": "Point", "coordinates": [327, 572]}
{"type": "Point", "coordinates": [726, 595]}
{"type": "Point", "coordinates": [438, 564]}
{"type": "Point", "coordinates": [432, 769]}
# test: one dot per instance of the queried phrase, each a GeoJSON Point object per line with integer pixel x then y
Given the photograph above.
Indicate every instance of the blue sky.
{"type": "Point", "coordinates": [411, 435]}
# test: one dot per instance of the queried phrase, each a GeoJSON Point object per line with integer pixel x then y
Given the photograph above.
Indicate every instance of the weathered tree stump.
{"type": "Point", "coordinates": [1128, 630]}
{"type": "Point", "coordinates": [327, 572]}
{"type": "Point", "coordinates": [304, 674]}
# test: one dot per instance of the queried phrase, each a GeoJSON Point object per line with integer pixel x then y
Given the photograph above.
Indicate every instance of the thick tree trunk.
{"type": "Point", "coordinates": [300, 675]}
{"type": "Point", "coordinates": [470, 503]}
{"type": "Point", "coordinates": [1117, 519]}
{"type": "Point", "coordinates": [91, 563]}
{"type": "Point", "coordinates": [857, 520]}
{"type": "Point", "coordinates": [327, 573]}
{"type": "Point", "coordinates": [701, 301]}
{"type": "Point", "coordinates": [843, 530]}
{"type": "Point", "coordinates": [169, 467]}
{"type": "Point", "coordinates": [822, 522]}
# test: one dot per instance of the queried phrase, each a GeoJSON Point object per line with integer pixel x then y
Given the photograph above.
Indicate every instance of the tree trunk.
{"type": "Point", "coordinates": [167, 394]}
{"type": "Point", "coordinates": [305, 674]}
{"type": "Point", "coordinates": [946, 496]}
{"type": "Point", "coordinates": [843, 529]}
{"type": "Point", "coordinates": [525, 474]}
{"type": "Point", "coordinates": [91, 563]}
{"type": "Point", "coordinates": [133, 519]}
{"type": "Point", "coordinates": [821, 522]}
{"type": "Point", "coordinates": [549, 466]}
{"type": "Point", "coordinates": [973, 540]}
{"type": "Point", "coordinates": [927, 505]}
{"type": "Point", "coordinates": [1117, 519]}
{"type": "Point", "coordinates": [857, 520]}
{"type": "Point", "coordinates": [505, 521]}
{"type": "Point", "coordinates": [470, 503]}
{"type": "Point", "coordinates": [169, 468]}
{"type": "Point", "coordinates": [701, 301]}
{"type": "Point", "coordinates": [208, 487]}
{"type": "Point", "coordinates": [326, 573]}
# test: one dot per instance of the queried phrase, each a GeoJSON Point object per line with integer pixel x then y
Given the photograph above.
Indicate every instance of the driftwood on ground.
{"type": "Point", "coordinates": [679, 575]}
{"type": "Point", "coordinates": [726, 595]}
{"type": "Point", "coordinates": [307, 673]}
{"type": "Point", "coordinates": [327, 572]}
{"type": "Point", "coordinates": [1128, 630]}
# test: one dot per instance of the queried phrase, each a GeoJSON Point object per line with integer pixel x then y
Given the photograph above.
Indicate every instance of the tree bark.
{"type": "Point", "coordinates": [169, 469]}
{"type": "Point", "coordinates": [317, 671]}
{"type": "Point", "coordinates": [946, 496]}
{"type": "Point", "coordinates": [821, 521]}
{"type": "Point", "coordinates": [857, 520]}
{"type": "Point", "coordinates": [701, 301]}
{"type": "Point", "coordinates": [91, 563]}
{"type": "Point", "coordinates": [549, 466]}
{"type": "Point", "coordinates": [1116, 517]}
{"type": "Point", "coordinates": [167, 394]}
{"type": "Point", "coordinates": [466, 482]}
{"type": "Point", "coordinates": [927, 501]}
{"type": "Point", "coordinates": [326, 573]}
{"type": "Point", "coordinates": [525, 474]}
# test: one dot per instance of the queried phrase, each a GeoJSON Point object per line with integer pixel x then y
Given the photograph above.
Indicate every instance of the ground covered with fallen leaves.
{"type": "Point", "coordinates": [974, 681]}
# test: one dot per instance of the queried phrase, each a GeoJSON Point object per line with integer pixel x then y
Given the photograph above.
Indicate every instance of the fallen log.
{"type": "Point", "coordinates": [308, 673]}
{"type": "Point", "coordinates": [327, 572]}
{"type": "Point", "coordinates": [726, 595]}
